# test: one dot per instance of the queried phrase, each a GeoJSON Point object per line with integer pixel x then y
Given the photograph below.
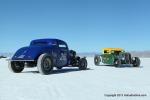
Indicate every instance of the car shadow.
{"type": "Point", "coordinates": [128, 66]}
{"type": "Point", "coordinates": [59, 71]}
{"type": "Point", "coordinates": [67, 70]}
{"type": "Point", "coordinates": [122, 66]}
{"type": "Point", "coordinates": [34, 72]}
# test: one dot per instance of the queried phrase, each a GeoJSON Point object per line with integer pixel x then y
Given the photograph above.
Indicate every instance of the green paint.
{"type": "Point", "coordinates": [108, 59]}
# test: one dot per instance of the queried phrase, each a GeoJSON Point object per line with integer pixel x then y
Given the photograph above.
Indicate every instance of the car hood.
{"type": "Point", "coordinates": [30, 52]}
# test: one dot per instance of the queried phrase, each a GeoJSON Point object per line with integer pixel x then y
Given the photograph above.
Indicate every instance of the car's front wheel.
{"type": "Point", "coordinates": [45, 64]}
{"type": "Point", "coordinates": [16, 66]}
{"type": "Point", "coordinates": [136, 61]}
{"type": "Point", "coordinates": [83, 64]}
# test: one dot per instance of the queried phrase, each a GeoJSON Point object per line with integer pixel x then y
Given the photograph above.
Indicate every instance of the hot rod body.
{"type": "Point", "coordinates": [46, 54]}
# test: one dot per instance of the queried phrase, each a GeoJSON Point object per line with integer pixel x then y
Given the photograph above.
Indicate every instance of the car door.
{"type": "Point", "coordinates": [62, 54]}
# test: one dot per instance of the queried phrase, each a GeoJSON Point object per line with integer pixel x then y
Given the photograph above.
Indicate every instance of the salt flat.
{"type": "Point", "coordinates": [96, 83]}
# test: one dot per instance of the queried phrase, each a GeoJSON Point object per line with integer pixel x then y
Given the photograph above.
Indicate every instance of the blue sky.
{"type": "Point", "coordinates": [86, 25]}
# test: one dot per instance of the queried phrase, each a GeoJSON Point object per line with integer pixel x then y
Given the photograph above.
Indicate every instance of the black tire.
{"type": "Point", "coordinates": [136, 62]}
{"type": "Point", "coordinates": [97, 60]}
{"type": "Point", "coordinates": [45, 64]}
{"type": "Point", "coordinates": [117, 63]}
{"type": "Point", "coordinates": [16, 66]}
{"type": "Point", "coordinates": [83, 64]}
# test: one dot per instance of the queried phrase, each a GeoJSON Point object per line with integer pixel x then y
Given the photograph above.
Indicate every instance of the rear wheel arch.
{"type": "Point", "coordinates": [39, 54]}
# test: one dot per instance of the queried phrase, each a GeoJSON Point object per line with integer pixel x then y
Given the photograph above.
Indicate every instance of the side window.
{"type": "Point", "coordinates": [62, 46]}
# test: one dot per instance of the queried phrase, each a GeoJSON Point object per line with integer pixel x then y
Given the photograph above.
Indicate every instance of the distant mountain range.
{"type": "Point", "coordinates": [6, 54]}
{"type": "Point", "coordinates": [142, 54]}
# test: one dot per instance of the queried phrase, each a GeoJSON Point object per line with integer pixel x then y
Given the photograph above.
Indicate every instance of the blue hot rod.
{"type": "Point", "coordinates": [46, 54]}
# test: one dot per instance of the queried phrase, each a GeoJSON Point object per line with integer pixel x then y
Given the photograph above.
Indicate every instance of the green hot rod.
{"type": "Point", "coordinates": [116, 57]}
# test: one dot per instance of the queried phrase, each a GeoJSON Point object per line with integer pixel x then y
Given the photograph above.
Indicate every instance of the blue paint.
{"type": "Point", "coordinates": [56, 48]}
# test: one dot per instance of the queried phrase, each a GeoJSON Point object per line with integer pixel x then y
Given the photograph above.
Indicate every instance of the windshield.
{"type": "Point", "coordinates": [116, 52]}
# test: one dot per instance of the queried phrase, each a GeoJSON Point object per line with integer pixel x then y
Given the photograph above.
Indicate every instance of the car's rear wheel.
{"type": "Point", "coordinates": [45, 64]}
{"type": "Point", "coordinates": [97, 60]}
{"type": "Point", "coordinates": [136, 61]}
{"type": "Point", "coordinates": [16, 66]}
{"type": "Point", "coordinates": [83, 64]}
